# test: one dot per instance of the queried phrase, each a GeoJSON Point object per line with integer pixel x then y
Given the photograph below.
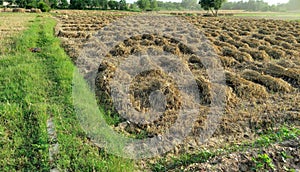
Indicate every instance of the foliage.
{"type": "Point", "coordinates": [123, 5]}
{"type": "Point", "coordinates": [169, 5]}
{"type": "Point", "coordinates": [31, 5]}
{"type": "Point", "coordinates": [98, 4]}
{"type": "Point", "coordinates": [63, 4]}
{"type": "Point", "coordinates": [21, 3]}
{"type": "Point", "coordinates": [189, 4]}
{"type": "Point", "coordinates": [53, 3]}
{"type": "Point", "coordinates": [260, 5]}
{"type": "Point", "coordinates": [113, 5]}
{"type": "Point", "coordinates": [184, 5]}
{"type": "Point", "coordinates": [143, 4]}
{"type": "Point", "coordinates": [133, 7]}
{"type": "Point", "coordinates": [43, 7]}
{"type": "Point", "coordinates": [263, 161]}
{"type": "Point", "coordinates": [104, 4]}
{"type": "Point", "coordinates": [153, 4]}
{"type": "Point", "coordinates": [252, 5]}
{"type": "Point", "coordinates": [77, 4]}
{"type": "Point", "coordinates": [283, 133]}
{"type": "Point", "coordinates": [212, 5]}
{"type": "Point", "coordinates": [293, 5]}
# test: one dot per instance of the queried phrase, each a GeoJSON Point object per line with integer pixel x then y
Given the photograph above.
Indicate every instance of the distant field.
{"type": "Point", "coordinates": [242, 13]}
{"type": "Point", "coordinates": [271, 15]}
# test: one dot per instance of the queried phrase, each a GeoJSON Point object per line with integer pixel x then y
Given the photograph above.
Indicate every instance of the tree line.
{"type": "Point", "coordinates": [150, 5]}
{"type": "Point", "coordinates": [145, 5]}
{"type": "Point", "coordinates": [260, 5]}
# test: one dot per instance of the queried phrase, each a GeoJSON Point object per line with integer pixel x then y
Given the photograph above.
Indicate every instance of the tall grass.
{"type": "Point", "coordinates": [35, 86]}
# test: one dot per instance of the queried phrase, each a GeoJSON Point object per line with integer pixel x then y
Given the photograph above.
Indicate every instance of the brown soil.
{"type": "Point", "coordinates": [262, 72]}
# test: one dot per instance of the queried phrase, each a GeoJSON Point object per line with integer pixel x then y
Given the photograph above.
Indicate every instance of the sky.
{"type": "Point", "coordinates": [271, 2]}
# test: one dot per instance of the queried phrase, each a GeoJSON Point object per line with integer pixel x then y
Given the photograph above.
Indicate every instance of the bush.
{"type": "Point", "coordinates": [30, 5]}
{"type": "Point", "coordinates": [44, 7]}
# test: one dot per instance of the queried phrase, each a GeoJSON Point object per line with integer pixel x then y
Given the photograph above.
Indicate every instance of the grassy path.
{"type": "Point", "coordinates": [35, 86]}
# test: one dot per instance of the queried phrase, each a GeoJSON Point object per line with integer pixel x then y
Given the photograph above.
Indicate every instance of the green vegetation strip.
{"type": "Point", "coordinates": [35, 86]}
{"type": "Point", "coordinates": [264, 140]}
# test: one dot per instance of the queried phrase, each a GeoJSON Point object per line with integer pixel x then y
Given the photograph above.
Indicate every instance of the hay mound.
{"type": "Point", "coordinates": [258, 36]}
{"type": "Point", "coordinates": [204, 90]}
{"type": "Point", "coordinates": [244, 88]}
{"type": "Point", "coordinates": [224, 44]}
{"type": "Point", "coordinates": [287, 46]}
{"type": "Point", "coordinates": [7, 10]}
{"type": "Point", "coordinates": [18, 10]}
{"type": "Point", "coordinates": [145, 83]}
{"type": "Point", "coordinates": [239, 56]}
{"type": "Point", "coordinates": [259, 55]}
{"type": "Point", "coordinates": [237, 43]}
{"type": "Point", "coordinates": [251, 42]}
{"type": "Point", "coordinates": [35, 10]}
{"type": "Point", "coordinates": [288, 74]}
{"type": "Point", "coordinates": [273, 84]}
{"type": "Point", "coordinates": [287, 64]}
{"type": "Point", "coordinates": [275, 53]}
{"type": "Point", "coordinates": [228, 61]}
{"type": "Point", "coordinates": [264, 31]}
{"type": "Point", "coordinates": [272, 41]}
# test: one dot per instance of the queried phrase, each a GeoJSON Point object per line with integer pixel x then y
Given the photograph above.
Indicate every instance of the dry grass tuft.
{"type": "Point", "coordinates": [239, 56]}
{"type": "Point", "coordinates": [259, 55]}
{"type": "Point", "coordinates": [18, 10]}
{"type": "Point", "coordinates": [35, 10]}
{"type": "Point", "coordinates": [244, 88]}
{"type": "Point", "coordinates": [273, 84]}
{"type": "Point", "coordinates": [288, 74]}
{"type": "Point", "coordinates": [275, 53]}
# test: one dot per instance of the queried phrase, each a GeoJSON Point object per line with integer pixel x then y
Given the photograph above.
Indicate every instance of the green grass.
{"type": "Point", "coordinates": [264, 140]}
{"type": "Point", "coordinates": [263, 162]}
{"type": "Point", "coordinates": [33, 87]}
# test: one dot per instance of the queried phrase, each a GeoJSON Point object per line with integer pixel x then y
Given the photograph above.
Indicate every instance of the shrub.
{"type": "Point", "coordinates": [30, 5]}
{"type": "Point", "coordinates": [44, 7]}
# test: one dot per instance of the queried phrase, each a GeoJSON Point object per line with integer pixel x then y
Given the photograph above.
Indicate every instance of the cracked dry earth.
{"type": "Point", "coordinates": [261, 60]}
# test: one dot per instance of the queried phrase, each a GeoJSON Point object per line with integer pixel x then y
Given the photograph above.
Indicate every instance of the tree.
{"type": "Point", "coordinates": [123, 5]}
{"type": "Point", "coordinates": [43, 6]}
{"type": "Point", "coordinates": [53, 3]}
{"type": "Point", "coordinates": [104, 4]}
{"type": "Point", "coordinates": [22, 3]}
{"type": "Point", "coordinates": [212, 5]}
{"type": "Point", "coordinates": [253, 5]}
{"type": "Point", "coordinates": [113, 5]}
{"type": "Point", "coordinates": [189, 4]}
{"type": "Point", "coordinates": [63, 4]}
{"type": "Point", "coordinates": [77, 4]}
{"type": "Point", "coordinates": [143, 4]}
{"type": "Point", "coordinates": [94, 3]}
{"type": "Point", "coordinates": [88, 4]}
{"type": "Point", "coordinates": [153, 4]}
{"type": "Point", "coordinates": [293, 5]}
